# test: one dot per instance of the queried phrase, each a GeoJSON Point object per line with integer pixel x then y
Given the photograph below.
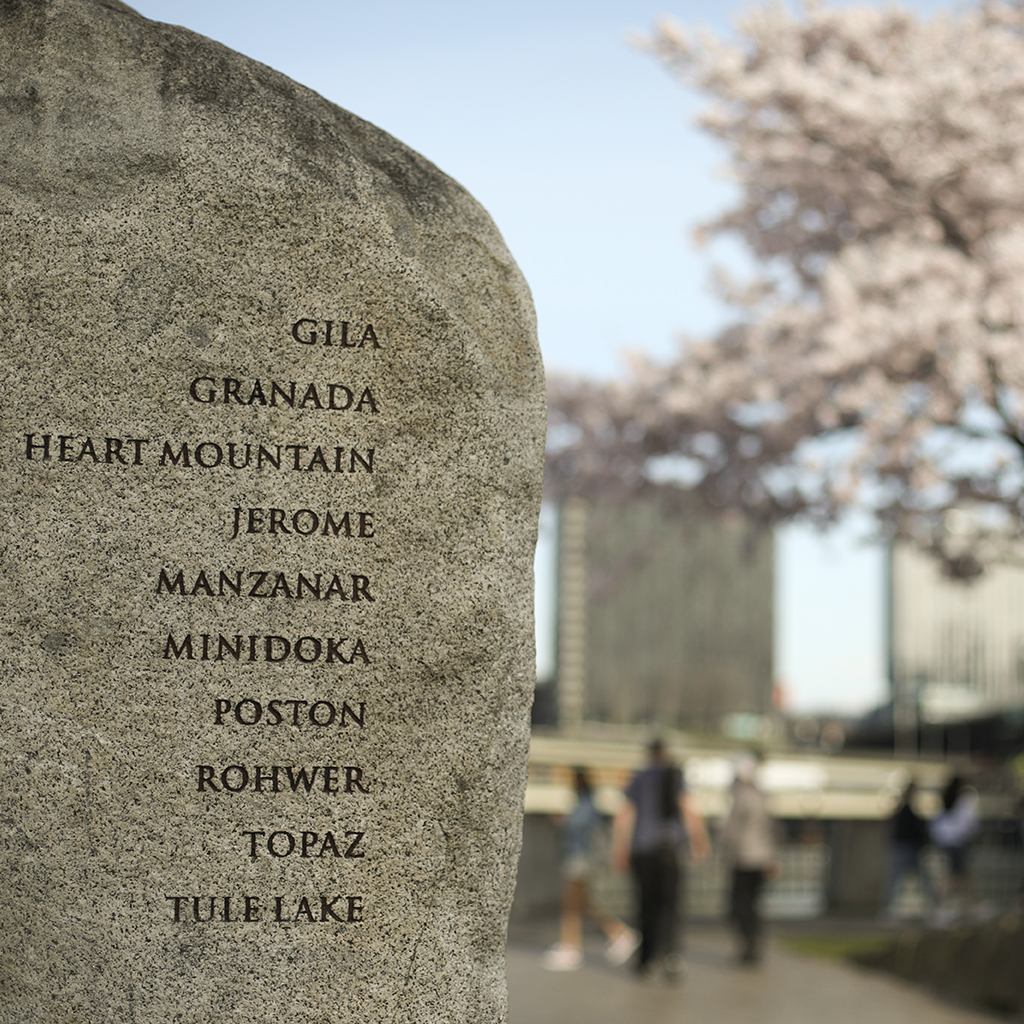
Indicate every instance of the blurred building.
{"type": "Point", "coordinates": [956, 649]}
{"type": "Point", "coordinates": [662, 619]}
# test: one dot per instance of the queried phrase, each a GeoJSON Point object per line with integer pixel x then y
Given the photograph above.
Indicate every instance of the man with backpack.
{"type": "Point", "coordinates": [654, 832]}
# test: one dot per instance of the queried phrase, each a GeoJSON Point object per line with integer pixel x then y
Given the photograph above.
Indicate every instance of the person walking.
{"type": "Point", "coordinates": [580, 831]}
{"type": "Point", "coordinates": [654, 830]}
{"type": "Point", "coordinates": [748, 847]}
{"type": "Point", "coordinates": [953, 831]}
{"type": "Point", "coordinates": [909, 837]}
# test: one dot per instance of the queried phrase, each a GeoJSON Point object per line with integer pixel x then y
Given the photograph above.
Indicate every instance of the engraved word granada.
{"type": "Point", "coordinates": [335, 397]}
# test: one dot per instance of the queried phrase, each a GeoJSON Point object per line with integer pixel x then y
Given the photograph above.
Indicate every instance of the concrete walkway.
{"type": "Point", "coordinates": [785, 989]}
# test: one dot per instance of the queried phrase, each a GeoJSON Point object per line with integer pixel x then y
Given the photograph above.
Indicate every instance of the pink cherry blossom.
{"type": "Point", "coordinates": [877, 355]}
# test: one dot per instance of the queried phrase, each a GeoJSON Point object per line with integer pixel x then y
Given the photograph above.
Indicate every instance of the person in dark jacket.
{"type": "Point", "coordinates": [656, 829]}
{"type": "Point", "coordinates": [908, 841]}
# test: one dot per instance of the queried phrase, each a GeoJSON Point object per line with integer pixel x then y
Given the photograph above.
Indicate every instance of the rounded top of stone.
{"type": "Point", "coordinates": [95, 92]}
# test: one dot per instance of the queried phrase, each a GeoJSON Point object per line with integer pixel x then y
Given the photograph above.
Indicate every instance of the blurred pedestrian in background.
{"type": "Point", "coordinates": [581, 831]}
{"type": "Point", "coordinates": [654, 831]}
{"type": "Point", "coordinates": [953, 831]}
{"type": "Point", "coordinates": [909, 837]}
{"type": "Point", "coordinates": [1020, 841]}
{"type": "Point", "coordinates": [748, 848]}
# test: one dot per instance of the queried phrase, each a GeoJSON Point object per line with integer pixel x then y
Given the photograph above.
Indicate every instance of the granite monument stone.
{"type": "Point", "coordinates": [273, 419]}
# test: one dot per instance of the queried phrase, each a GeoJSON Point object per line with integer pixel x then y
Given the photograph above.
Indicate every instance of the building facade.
{"type": "Point", "coordinates": [956, 649]}
{"type": "Point", "coordinates": [663, 620]}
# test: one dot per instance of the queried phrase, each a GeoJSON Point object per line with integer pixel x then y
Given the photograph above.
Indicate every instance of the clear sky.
{"type": "Point", "coordinates": [581, 148]}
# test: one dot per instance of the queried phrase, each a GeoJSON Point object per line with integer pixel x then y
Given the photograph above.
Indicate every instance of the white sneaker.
{"type": "Point", "coordinates": [562, 957]}
{"type": "Point", "coordinates": [674, 967]}
{"type": "Point", "coordinates": [622, 947]}
{"type": "Point", "coordinates": [983, 911]}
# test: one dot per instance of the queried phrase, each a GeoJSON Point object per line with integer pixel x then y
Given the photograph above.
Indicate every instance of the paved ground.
{"type": "Point", "coordinates": [785, 989]}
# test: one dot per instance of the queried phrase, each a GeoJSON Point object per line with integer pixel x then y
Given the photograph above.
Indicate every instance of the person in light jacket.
{"type": "Point", "coordinates": [748, 847]}
{"type": "Point", "coordinates": [953, 831]}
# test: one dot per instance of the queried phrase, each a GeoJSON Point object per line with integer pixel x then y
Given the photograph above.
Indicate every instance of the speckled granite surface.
{"type": "Point", "coordinates": [273, 419]}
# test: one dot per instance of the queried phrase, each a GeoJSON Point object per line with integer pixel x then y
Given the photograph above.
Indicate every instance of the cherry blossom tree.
{"type": "Point", "coordinates": [877, 355]}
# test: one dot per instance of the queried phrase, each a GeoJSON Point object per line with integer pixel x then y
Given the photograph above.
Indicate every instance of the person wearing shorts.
{"type": "Point", "coordinates": [580, 832]}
